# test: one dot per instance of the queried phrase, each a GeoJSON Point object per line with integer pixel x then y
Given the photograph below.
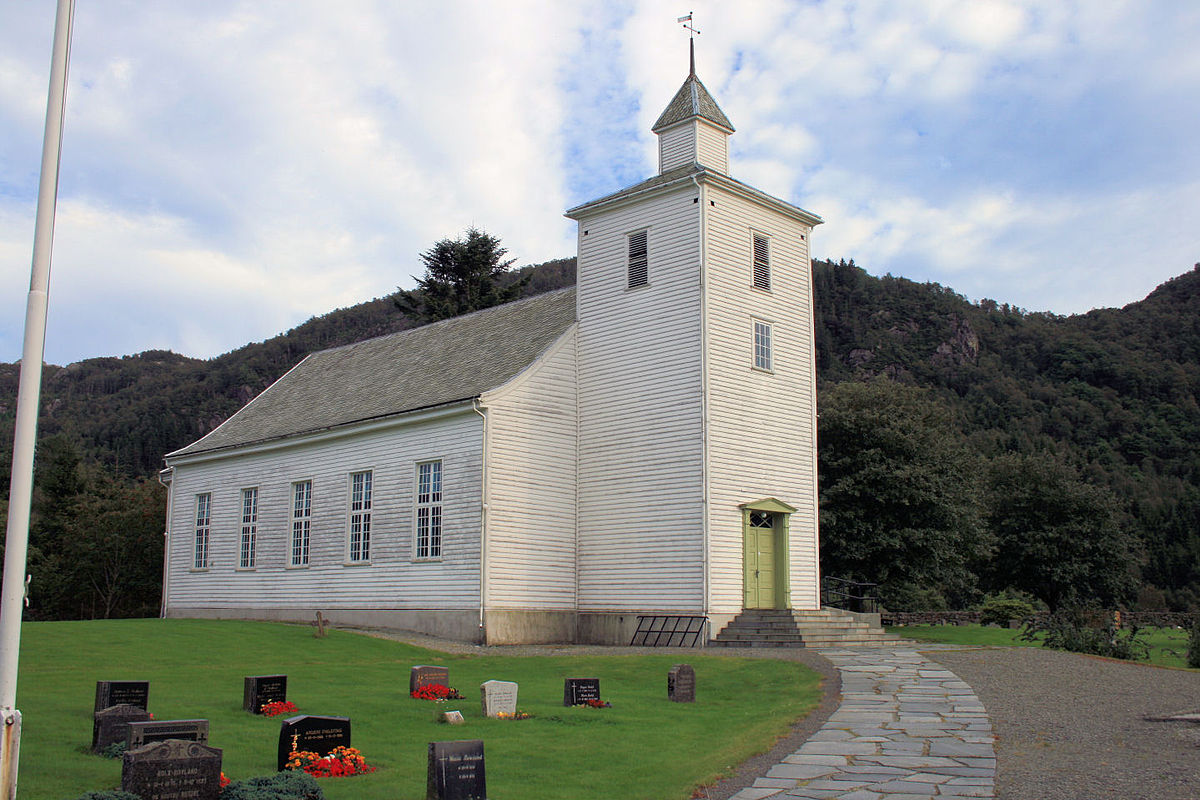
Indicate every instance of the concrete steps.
{"type": "Point", "coordinates": [761, 627]}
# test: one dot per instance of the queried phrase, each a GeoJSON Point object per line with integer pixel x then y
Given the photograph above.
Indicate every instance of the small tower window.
{"type": "Point", "coordinates": [762, 262]}
{"type": "Point", "coordinates": [762, 346]}
{"type": "Point", "coordinates": [638, 261]}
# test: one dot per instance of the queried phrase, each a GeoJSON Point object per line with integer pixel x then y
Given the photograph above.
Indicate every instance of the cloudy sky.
{"type": "Point", "coordinates": [231, 169]}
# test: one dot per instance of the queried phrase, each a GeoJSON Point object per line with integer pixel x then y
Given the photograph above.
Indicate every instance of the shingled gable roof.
{"type": "Point", "coordinates": [692, 100]}
{"type": "Point", "coordinates": [453, 360]}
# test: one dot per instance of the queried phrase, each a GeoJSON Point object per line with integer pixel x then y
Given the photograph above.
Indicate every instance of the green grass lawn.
{"type": "Point", "coordinates": [1168, 646]}
{"type": "Point", "coordinates": [645, 746]}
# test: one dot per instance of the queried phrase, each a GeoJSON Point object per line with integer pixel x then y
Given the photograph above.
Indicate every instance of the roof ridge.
{"type": "Point", "coordinates": [442, 322]}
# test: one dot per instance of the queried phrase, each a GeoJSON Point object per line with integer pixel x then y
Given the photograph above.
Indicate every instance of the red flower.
{"type": "Point", "coordinates": [277, 707]}
{"type": "Point", "coordinates": [435, 691]}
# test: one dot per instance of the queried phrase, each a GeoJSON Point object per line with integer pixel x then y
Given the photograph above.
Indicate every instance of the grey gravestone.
{"type": "Point", "coordinates": [258, 690]}
{"type": "Point", "coordinates": [425, 675]}
{"type": "Point", "coordinates": [456, 771]}
{"type": "Point", "coordinates": [577, 691]}
{"type": "Point", "coordinates": [681, 683]}
{"type": "Point", "coordinates": [172, 770]}
{"type": "Point", "coordinates": [115, 693]}
{"type": "Point", "coordinates": [112, 724]}
{"type": "Point", "coordinates": [498, 697]}
{"type": "Point", "coordinates": [315, 734]}
{"type": "Point", "coordinates": [188, 730]}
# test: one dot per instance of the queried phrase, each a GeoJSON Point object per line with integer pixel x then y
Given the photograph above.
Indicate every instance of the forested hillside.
{"type": "Point", "coordinates": [1110, 396]}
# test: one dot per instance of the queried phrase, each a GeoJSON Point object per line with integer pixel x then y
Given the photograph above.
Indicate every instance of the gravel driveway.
{"type": "Point", "coordinates": [1071, 726]}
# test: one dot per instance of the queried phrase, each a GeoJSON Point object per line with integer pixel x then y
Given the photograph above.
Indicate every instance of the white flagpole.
{"type": "Point", "coordinates": [28, 395]}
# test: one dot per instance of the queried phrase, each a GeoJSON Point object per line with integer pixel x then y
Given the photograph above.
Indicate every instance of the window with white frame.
{"type": "Point", "coordinates": [762, 345]}
{"type": "Point", "coordinates": [301, 522]}
{"type": "Point", "coordinates": [762, 262]}
{"type": "Point", "coordinates": [203, 523]}
{"type": "Point", "coordinates": [429, 509]}
{"type": "Point", "coordinates": [639, 262]}
{"type": "Point", "coordinates": [249, 528]}
{"type": "Point", "coordinates": [360, 516]}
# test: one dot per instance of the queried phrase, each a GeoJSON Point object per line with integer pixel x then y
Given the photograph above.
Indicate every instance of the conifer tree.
{"type": "Point", "coordinates": [461, 275]}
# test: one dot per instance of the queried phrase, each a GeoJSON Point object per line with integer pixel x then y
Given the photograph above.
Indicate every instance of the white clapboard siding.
{"type": "Point", "coordinates": [761, 426]}
{"type": "Point", "coordinates": [677, 146]}
{"type": "Point", "coordinates": [392, 580]}
{"type": "Point", "coordinates": [712, 146]}
{"type": "Point", "coordinates": [640, 453]}
{"type": "Point", "coordinates": [530, 480]}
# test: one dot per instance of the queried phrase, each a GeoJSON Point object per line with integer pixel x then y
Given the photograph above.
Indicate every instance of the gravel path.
{"type": "Point", "coordinates": [1071, 726]}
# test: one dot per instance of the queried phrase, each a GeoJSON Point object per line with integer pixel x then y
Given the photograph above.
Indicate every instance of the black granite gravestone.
{"type": "Point", "coordinates": [172, 770]}
{"type": "Point", "coordinates": [111, 725]}
{"type": "Point", "coordinates": [258, 690]}
{"type": "Point", "coordinates": [188, 730]}
{"type": "Point", "coordinates": [681, 683]}
{"type": "Point", "coordinates": [313, 734]}
{"type": "Point", "coordinates": [456, 771]}
{"type": "Point", "coordinates": [425, 675]}
{"type": "Point", "coordinates": [577, 691]}
{"type": "Point", "coordinates": [115, 693]}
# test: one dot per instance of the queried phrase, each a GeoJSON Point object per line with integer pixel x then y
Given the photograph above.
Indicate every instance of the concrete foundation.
{"type": "Point", "coordinates": [530, 627]}
{"type": "Point", "coordinates": [458, 625]}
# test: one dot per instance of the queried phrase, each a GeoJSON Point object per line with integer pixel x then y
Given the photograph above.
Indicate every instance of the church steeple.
{"type": "Point", "coordinates": [693, 128]}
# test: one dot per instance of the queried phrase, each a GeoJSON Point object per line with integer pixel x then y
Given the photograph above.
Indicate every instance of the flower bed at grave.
{"type": "Point", "coordinates": [277, 707]}
{"type": "Point", "coordinates": [437, 692]}
{"type": "Point", "coordinates": [518, 714]}
{"type": "Point", "coordinates": [342, 762]}
{"type": "Point", "coordinates": [595, 704]}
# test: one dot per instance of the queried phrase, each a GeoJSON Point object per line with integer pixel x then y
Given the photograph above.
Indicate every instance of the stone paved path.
{"type": "Point", "coordinates": [907, 729]}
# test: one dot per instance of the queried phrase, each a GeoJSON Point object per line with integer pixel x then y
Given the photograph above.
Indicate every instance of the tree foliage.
{"type": "Point", "coordinates": [461, 275]}
{"type": "Point", "coordinates": [899, 494]}
{"type": "Point", "coordinates": [1057, 538]}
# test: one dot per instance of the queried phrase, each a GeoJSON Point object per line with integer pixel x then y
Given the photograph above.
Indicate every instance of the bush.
{"type": "Point", "coordinates": [1000, 608]}
{"type": "Point", "coordinates": [1193, 651]}
{"type": "Point", "coordinates": [281, 786]}
{"type": "Point", "coordinates": [114, 795]}
{"type": "Point", "coordinates": [1090, 631]}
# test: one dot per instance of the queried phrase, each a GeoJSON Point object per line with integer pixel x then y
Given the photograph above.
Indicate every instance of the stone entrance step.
{"type": "Point", "coordinates": [759, 627]}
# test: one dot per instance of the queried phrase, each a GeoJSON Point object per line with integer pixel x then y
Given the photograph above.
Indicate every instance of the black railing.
{"type": "Point", "coordinates": [848, 595]}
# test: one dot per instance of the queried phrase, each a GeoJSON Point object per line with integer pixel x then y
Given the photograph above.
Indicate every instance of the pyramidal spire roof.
{"type": "Point", "coordinates": [692, 100]}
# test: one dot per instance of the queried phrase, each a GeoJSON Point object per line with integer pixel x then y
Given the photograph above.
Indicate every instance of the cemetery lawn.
{"type": "Point", "coordinates": [1168, 646]}
{"type": "Point", "coordinates": [645, 746]}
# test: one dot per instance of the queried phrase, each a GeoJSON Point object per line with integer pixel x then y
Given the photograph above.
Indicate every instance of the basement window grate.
{"type": "Point", "coordinates": [668, 631]}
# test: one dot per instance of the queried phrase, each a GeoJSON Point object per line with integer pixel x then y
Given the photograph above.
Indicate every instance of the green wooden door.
{"type": "Point", "coordinates": [760, 567]}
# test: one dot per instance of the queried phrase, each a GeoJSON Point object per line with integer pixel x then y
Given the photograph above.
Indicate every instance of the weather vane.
{"type": "Point", "coordinates": [692, 34]}
{"type": "Point", "coordinates": [687, 23]}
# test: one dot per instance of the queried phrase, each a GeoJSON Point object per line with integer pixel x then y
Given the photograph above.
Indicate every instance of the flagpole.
{"type": "Point", "coordinates": [12, 593]}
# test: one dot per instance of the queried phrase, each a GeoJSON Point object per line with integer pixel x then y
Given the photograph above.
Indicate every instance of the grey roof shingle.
{"type": "Point", "coordinates": [692, 100]}
{"type": "Point", "coordinates": [444, 362]}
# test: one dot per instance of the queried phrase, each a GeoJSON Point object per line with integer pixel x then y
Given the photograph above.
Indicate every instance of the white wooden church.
{"type": "Point", "coordinates": [550, 469]}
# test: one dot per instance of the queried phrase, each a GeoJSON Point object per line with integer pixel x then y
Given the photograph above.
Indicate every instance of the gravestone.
{"type": "Point", "coordinates": [577, 691]}
{"type": "Point", "coordinates": [115, 693]}
{"type": "Point", "coordinates": [498, 697]}
{"type": "Point", "coordinates": [172, 770]}
{"type": "Point", "coordinates": [112, 724]}
{"type": "Point", "coordinates": [453, 718]}
{"type": "Point", "coordinates": [315, 734]}
{"type": "Point", "coordinates": [188, 730]}
{"type": "Point", "coordinates": [425, 675]}
{"type": "Point", "coordinates": [681, 683]}
{"type": "Point", "coordinates": [456, 771]}
{"type": "Point", "coordinates": [258, 690]}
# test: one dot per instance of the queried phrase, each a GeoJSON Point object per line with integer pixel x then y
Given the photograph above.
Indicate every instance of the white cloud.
{"type": "Point", "coordinates": [231, 168]}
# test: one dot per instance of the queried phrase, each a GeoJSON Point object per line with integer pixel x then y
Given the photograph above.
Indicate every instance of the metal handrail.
{"type": "Point", "coordinates": [849, 595]}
